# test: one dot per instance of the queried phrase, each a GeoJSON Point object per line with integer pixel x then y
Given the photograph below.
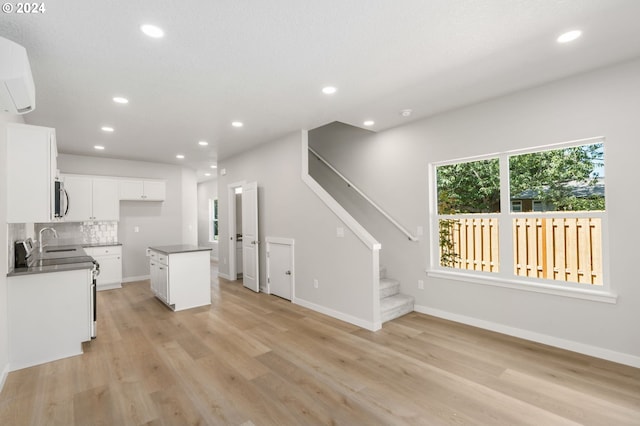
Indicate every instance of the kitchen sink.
{"type": "Point", "coordinates": [62, 261]}
{"type": "Point", "coordinates": [59, 250]}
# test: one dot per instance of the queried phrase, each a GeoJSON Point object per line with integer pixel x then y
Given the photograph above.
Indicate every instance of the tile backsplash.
{"type": "Point", "coordinates": [95, 232]}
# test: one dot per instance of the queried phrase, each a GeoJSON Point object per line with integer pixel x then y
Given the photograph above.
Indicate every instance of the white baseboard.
{"type": "Point", "coordinates": [368, 325]}
{"type": "Point", "coordinates": [3, 378]}
{"type": "Point", "coordinates": [225, 276]}
{"type": "Point", "coordinates": [132, 279]}
{"type": "Point", "coordinates": [595, 351]}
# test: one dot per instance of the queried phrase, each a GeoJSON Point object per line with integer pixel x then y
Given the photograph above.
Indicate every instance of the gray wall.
{"type": "Point", "coordinates": [392, 168]}
{"type": "Point", "coordinates": [289, 209]}
{"type": "Point", "coordinates": [4, 244]}
{"type": "Point", "coordinates": [207, 190]}
{"type": "Point", "coordinates": [173, 221]}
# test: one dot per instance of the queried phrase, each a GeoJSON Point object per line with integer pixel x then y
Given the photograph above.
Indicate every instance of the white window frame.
{"type": "Point", "coordinates": [506, 277]}
{"type": "Point", "coordinates": [212, 238]}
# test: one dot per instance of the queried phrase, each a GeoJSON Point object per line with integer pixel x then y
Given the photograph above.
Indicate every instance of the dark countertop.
{"type": "Point", "coordinates": [52, 268]}
{"type": "Point", "coordinates": [179, 248]}
{"type": "Point", "coordinates": [57, 252]}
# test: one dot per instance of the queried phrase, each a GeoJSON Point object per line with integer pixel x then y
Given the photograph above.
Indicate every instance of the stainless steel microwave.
{"type": "Point", "coordinates": [60, 200]}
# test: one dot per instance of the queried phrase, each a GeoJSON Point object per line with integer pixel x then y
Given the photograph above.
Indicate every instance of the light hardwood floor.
{"type": "Point", "coordinates": [254, 359]}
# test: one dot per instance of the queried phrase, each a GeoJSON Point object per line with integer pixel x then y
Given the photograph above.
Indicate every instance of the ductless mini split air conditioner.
{"type": "Point", "coordinates": [17, 91]}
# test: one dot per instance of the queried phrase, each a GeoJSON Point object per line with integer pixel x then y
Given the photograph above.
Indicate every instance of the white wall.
{"type": "Point", "coordinates": [4, 330]}
{"type": "Point", "coordinates": [207, 190]}
{"type": "Point", "coordinates": [289, 209]}
{"type": "Point", "coordinates": [392, 166]}
{"type": "Point", "coordinates": [159, 223]}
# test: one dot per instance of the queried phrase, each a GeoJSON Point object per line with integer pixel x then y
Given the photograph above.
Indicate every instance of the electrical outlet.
{"type": "Point", "coordinates": [136, 229]}
{"type": "Point", "coordinates": [315, 283]}
{"type": "Point", "coordinates": [420, 285]}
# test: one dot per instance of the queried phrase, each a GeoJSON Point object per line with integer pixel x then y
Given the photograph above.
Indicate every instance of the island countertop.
{"type": "Point", "coordinates": [179, 248]}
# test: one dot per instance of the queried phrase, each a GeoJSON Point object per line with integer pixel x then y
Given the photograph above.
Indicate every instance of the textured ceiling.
{"type": "Point", "coordinates": [265, 62]}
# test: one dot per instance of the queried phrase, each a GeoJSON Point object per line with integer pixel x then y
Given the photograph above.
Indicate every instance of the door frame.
{"type": "Point", "coordinates": [231, 208]}
{"type": "Point", "coordinates": [287, 242]}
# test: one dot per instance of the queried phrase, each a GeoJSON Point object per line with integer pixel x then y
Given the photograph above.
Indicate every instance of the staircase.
{"type": "Point", "coordinates": [392, 304]}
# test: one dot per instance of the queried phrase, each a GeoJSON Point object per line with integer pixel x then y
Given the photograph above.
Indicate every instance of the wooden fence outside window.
{"type": "Point", "coordinates": [561, 249]}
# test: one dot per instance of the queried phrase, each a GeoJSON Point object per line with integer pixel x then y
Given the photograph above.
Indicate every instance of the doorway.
{"type": "Point", "coordinates": [243, 234]}
{"type": "Point", "coordinates": [235, 230]}
{"type": "Point", "coordinates": [280, 267]}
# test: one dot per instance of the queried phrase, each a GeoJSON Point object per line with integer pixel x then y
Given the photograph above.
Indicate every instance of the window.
{"type": "Point", "coordinates": [533, 216]}
{"type": "Point", "coordinates": [213, 220]}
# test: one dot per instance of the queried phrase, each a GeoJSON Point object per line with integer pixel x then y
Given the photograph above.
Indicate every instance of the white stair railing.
{"type": "Point", "coordinates": [363, 195]}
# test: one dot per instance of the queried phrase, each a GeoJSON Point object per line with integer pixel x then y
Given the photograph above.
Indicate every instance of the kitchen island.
{"type": "Point", "coordinates": [181, 275]}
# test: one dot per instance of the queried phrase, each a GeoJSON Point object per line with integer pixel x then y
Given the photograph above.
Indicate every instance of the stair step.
{"type": "Point", "coordinates": [383, 272]}
{"type": "Point", "coordinates": [395, 306]}
{"type": "Point", "coordinates": [389, 287]}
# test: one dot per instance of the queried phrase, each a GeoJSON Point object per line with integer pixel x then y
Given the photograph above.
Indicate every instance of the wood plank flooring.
{"type": "Point", "coordinates": [253, 359]}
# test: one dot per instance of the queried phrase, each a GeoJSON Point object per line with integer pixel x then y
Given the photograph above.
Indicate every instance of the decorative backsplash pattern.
{"type": "Point", "coordinates": [96, 232]}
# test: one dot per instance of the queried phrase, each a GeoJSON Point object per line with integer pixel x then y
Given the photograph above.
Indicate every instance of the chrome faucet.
{"type": "Point", "coordinates": [40, 244]}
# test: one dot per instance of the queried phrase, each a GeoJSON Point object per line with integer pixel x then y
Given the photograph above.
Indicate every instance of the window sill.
{"type": "Point", "coordinates": [576, 293]}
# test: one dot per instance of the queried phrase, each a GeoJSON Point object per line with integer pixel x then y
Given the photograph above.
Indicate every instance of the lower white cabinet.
{"type": "Point", "coordinates": [160, 278]}
{"type": "Point", "coordinates": [110, 260]}
{"type": "Point", "coordinates": [181, 279]}
{"type": "Point", "coordinates": [49, 316]}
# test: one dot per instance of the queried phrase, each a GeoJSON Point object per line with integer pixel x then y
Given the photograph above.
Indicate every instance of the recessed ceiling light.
{"type": "Point", "coordinates": [120, 100]}
{"type": "Point", "coordinates": [369, 123]}
{"type": "Point", "coordinates": [203, 143]}
{"type": "Point", "coordinates": [329, 90]}
{"type": "Point", "coordinates": [569, 36]}
{"type": "Point", "coordinates": [107, 129]}
{"type": "Point", "coordinates": [213, 166]}
{"type": "Point", "coordinates": [152, 31]}
{"type": "Point", "coordinates": [99, 147]}
{"type": "Point", "coordinates": [180, 156]}
{"type": "Point", "coordinates": [207, 174]}
{"type": "Point", "coordinates": [237, 123]}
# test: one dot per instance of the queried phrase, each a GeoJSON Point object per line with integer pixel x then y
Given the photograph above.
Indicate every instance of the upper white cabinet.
{"type": "Point", "coordinates": [31, 171]}
{"type": "Point", "coordinates": [143, 190]}
{"type": "Point", "coordinates": [92, 198]}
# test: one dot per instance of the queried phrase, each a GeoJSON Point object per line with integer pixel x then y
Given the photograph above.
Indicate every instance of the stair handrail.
{"type": "Point", "coordinates": [363, 195]}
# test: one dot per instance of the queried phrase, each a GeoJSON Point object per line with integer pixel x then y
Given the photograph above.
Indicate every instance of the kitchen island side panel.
{"type": "Point", "coordinates": [190, 279]}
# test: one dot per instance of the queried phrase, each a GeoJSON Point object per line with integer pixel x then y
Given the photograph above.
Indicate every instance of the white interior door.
{"type": "Point", "coordinates": [280, 270]}
{"type": "Point", "coordinates": [250, 242]}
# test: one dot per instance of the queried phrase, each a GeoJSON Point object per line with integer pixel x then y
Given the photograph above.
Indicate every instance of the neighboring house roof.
{"type": "Point", "coordinates": [579, 189]}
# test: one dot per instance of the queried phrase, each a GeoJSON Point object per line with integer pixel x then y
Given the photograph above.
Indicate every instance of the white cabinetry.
{"type": "Point", "coordinates": [159, 271]}
{"type": "Point", "coordinates": [49, 316]}
{"type": "Point", "coordinates": [182, 280]}
{"type": "Point", "coordinates": [110, 260]}
{"type": "Point", "coordinates": [92, 198]}
{"type": "Point", "coordinates": [142, 190]}
{"type": "Point", "coordinates": [31, 171]}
